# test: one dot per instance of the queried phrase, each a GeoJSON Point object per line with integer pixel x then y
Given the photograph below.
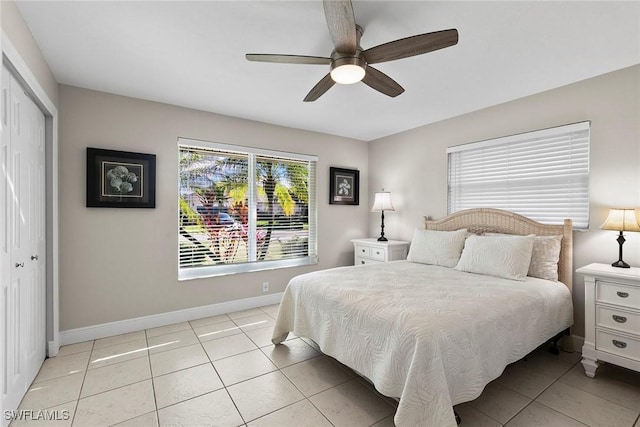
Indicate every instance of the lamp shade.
{"type": "Point", "coordinates": [621, 220]}
{"type": "Point", "coordinates": [382, 202]}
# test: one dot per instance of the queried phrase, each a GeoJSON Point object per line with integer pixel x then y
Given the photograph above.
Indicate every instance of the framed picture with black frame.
{"type": "Point", "coordinates": [120, 179]}
{"type": "Point", "coordinates": [344, 186]}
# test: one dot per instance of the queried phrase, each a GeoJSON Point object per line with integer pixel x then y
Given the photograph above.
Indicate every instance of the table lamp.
{"type": "Point", "coordinates": [381, 203]}
{"type": "Point", "coordinates": [621, 220]}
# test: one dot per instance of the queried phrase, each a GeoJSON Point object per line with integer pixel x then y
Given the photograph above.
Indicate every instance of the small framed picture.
{"type": "Point", "coordinates": [344, 186]}
{"type": "Point", "coordinates": [120, 179]}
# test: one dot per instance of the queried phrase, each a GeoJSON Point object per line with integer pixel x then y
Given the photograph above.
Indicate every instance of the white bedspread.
{"type": "Point", "coordinates": [432, 336]}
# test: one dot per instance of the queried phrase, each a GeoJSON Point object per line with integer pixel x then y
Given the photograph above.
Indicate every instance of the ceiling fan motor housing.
{"type": "Point", "coordinates": [339, 59]}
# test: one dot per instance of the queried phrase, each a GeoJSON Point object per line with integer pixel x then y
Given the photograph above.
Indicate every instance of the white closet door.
{"type": "Point", "coordinates": [13, 381]}
{"type": "Point", "coordinates": [30, 201]}
{"type": "Point", "coordinates": [23, 237]}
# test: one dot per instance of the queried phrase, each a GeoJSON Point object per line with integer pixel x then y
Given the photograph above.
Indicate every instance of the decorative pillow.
{"type": "Point", "coordinates": [545, 256]}
{"type": "Point", "coordinates": [502, 256]}
{"type": "Point", "coordinates": [436, 247]}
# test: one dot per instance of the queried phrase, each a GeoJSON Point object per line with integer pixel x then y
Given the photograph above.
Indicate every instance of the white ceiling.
{"type": "Point", "coordinates": [191, 54]}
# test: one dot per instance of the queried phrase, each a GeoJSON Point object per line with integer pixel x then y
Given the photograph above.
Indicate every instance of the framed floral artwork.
{"type": "Point", "coordinates": [120, 179]}
{"type": "Point", "coordinates": [344, 186]}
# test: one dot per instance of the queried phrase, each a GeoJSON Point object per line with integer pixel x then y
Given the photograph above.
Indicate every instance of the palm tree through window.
{"type": "Point", "coordinates": [244, 207]}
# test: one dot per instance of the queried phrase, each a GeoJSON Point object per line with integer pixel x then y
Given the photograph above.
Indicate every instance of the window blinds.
{"type": "Point", "coordinates": [543, 175]}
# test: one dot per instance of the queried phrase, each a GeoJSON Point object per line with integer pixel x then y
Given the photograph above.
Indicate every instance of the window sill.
{"type": "Point", "coordinates": [227, 269]}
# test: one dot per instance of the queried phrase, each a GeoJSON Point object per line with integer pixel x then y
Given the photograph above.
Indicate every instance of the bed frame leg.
{"type": "Point", "coordinates": [553, 347]}
{"type": "Point", "coordinates": [458, 419]}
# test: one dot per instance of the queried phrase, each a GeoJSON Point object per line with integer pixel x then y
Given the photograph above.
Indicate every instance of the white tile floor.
{"type": "Point", "coordinates": [224, 371]}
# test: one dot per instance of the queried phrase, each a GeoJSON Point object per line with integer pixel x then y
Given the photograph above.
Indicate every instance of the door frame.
{"type": "Point", "coordinates": [14, 61]}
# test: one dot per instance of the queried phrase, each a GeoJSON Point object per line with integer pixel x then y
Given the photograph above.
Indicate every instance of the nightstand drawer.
{"type": "Point", "coordinates": [618, 294]}
{"type": "Point", "coordinates": [378, 254]}
{"type": "Point", "coordinates": [363, 251]}
{"type": "Point", "coordinates": [618, 344]}
{"type": "Point", "coordinates": [366, 261]}
{"type": "Point", "coordinates": [618, 320]}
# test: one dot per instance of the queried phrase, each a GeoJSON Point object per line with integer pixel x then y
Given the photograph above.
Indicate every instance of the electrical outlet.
{"type": "Point", "coordinates": [265, 286]}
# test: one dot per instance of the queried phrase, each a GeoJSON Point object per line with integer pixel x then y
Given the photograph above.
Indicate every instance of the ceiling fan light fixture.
{"type": "Point", "coordinates": [348, 70]}
{"type": "Point", "coordinates": [347, 74]}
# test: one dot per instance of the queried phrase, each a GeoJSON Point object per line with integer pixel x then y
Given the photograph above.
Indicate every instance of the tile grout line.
{"type": "Point", "coordinates": [75, 411]}
{"type": "Point", "coordinates": [540, 394]}
{"type": "Point", "coordinates": [278, 369]}
{"type": "Point", "coordinates": [583, 391]}
{"type": "Point", "coordinates": [153, 383]}
{"type": "Point", "coordinates": [304, 397]}
{"type": "Point", "coordinates": [218, 374]}
{"type": "Point", "coordinates": [308, 398]}
{"type": "Point", "coordinates": [531, 400]}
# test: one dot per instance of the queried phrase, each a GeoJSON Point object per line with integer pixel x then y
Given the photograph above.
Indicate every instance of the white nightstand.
{"type": "Point", "coordinates": [612, 317]}
{"type": "Point", "coordinates": [371, 251]}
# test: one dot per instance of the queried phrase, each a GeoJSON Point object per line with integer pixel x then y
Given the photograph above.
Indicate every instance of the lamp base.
{"type": "Point", "coordinates": [621, 264]}
{"type": "Point", "coordinates": [382, 238]}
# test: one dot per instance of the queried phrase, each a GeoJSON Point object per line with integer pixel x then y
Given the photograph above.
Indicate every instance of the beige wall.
{"type": "Point", "coordinates": [20, 36]}
{"type": "Point", "coordinates": [122, 263]}
{"type": "Point", "coordinates": [413, 164]}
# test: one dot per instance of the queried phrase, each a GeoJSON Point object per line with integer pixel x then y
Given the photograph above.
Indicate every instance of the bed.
{"type": "Point", "coordinates": [433, 334]}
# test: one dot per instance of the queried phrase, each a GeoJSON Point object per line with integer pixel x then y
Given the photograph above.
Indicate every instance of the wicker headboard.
{"type": "Point", "coordinates": [486, 220]}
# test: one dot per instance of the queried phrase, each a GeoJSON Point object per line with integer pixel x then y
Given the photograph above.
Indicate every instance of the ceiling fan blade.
{"type": "Point", "coordinates": [379, 81]}
{"type": "Point", "coordinates": [342, 25]}
{"type": "Point", "coordinates": [319, 89]}
{"type": "Point", "coordinates": [411, 46]}
{"type": "Point", "coordinates": [287, 59]}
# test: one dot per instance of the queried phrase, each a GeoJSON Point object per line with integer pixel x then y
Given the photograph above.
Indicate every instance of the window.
{"type": "Point", "coordinates": [244, 209]}
{"type": "Point", "coordinates": [543, 175]}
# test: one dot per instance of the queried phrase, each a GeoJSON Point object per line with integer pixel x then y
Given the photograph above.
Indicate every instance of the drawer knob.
{"type": "Point", "coordinates": [619, 319]}
{"type": "Point", "coordinates": [361, 262]}
{"type": "Point", "coordinates": [364, 251]}
{"type": "Point", "coordinates": [623, 294]}
{"type": "Point", "coordinates": [619, 344]}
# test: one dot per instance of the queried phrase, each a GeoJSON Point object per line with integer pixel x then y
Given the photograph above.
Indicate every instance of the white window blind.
{"type": "Point", "coordinates": [244, 209]}
{"type": "Point", "coordinates": [543, 175]}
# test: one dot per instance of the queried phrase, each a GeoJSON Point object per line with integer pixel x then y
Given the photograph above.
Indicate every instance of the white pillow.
{"type": "Point", "coordinates": [545, 256]}
{"type": "Point", "coordinates": [436, 247]}
{"type": "Point", "coordinates": [501, 256]}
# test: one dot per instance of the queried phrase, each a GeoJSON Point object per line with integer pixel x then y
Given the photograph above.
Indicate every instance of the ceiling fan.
{"type": "Point", "coordinates": [350, 63]}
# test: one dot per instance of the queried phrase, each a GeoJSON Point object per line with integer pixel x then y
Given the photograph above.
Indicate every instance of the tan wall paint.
{"type": "Point", "coordinates": [413, 164]}
{"type": "Point", "coordinates": [17, 31]}
{"type": "Point", "coordinates": [122, 263]}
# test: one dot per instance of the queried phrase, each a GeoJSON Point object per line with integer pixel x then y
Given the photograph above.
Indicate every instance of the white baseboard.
{"type": "Point", "coordinates": [87, 333]}
{"type": "Point", "coordinates": [52, 348]}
